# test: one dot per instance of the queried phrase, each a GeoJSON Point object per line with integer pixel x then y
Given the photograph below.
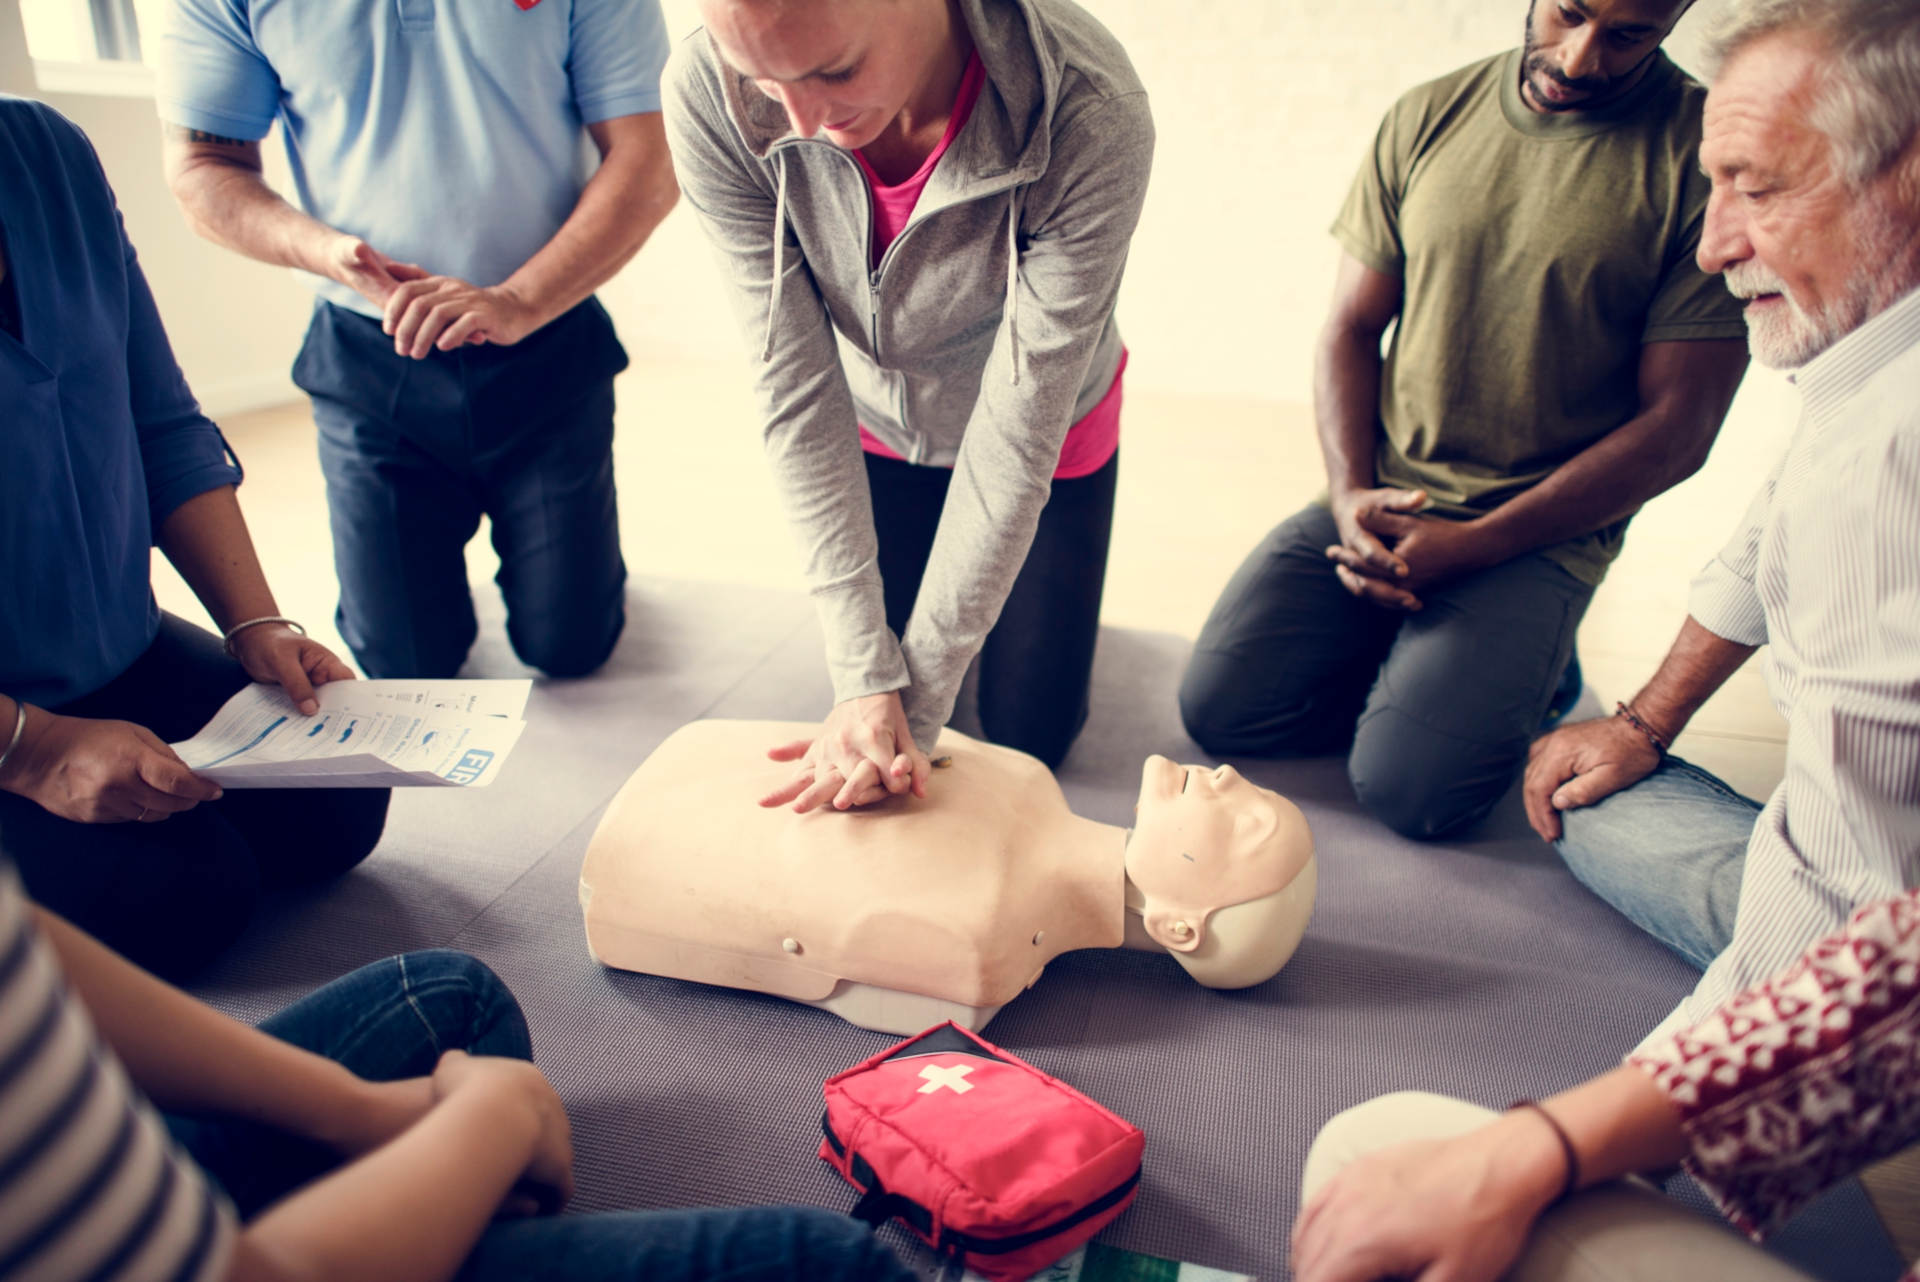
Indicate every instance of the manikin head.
{"type": "Point", "coordinates": [1810, 140]}
{"type": "Point", "coordinates": [1582, 54]}
{"type": "Point", "coordinates": [1222, 870]}
{"type": "Point", "coordinates": [845, 69]}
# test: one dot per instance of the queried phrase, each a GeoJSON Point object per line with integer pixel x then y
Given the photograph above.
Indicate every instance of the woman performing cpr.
{"type": "Point", "coordinates": [922, 208]}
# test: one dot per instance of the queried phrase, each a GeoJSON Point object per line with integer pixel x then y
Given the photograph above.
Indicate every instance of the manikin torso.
{"type": "Point", "coordinates": [895, 916]}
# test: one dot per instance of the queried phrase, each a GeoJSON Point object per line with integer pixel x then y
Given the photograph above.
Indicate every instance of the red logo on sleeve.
{"type": "Point", "coordinates": [526, 4]}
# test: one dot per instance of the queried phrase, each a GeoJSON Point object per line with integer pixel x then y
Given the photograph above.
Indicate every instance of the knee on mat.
{"type": "Point", "coordinates": [330, 842]}
{"type": "Point", "coordinates": [1217, 716]}
{"type": "Point", "coordinates": [421, 649]}
{"type": "Point", "coordinates": [1416, 796]}
{"type": "Point", "coordinates": [564, 652]}
{"type": "Point", "coordinates": [1211, 709]}
{"type": "Point", "coordinates": [359, 819]}
{"type": "Point", "coordinates": [468, 1006]}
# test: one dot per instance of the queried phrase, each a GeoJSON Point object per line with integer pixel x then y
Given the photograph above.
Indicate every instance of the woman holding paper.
{"type": "Point", "coordinates": [108, 456]}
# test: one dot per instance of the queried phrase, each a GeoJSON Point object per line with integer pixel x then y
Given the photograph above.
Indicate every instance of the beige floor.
{"type": "Point", "coordinates": [1201, 481]}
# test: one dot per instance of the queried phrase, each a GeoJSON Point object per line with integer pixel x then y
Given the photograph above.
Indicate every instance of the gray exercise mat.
{"type": "Point", "coordinates": [1478, 968]}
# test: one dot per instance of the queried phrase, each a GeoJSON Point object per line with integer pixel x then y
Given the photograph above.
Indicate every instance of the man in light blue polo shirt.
{"type": "Point", "coordinates": [458, 363]}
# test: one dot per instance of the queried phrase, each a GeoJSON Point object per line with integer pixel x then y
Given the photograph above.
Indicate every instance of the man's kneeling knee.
{"type": "Point", "coordinates": [1421, 792]}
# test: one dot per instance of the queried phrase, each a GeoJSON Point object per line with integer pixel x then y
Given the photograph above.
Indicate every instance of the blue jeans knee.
{"type": "Point", "coordinates": [395, 1018]}
{"type": "Point", "coordinates": [1668, 853]}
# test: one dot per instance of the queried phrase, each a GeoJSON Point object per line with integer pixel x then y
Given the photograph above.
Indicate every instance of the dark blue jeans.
{"type": "Point", "coordinates": [416, 452]}
{"type": "Point", "coordinates": [1035, 670]}
{"type": "Point", "coordinates": [1435, 709]}
{"type": "Point", "coordinates": [393, 1019]}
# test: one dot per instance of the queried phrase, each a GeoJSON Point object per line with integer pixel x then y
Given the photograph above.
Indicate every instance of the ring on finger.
{"type": "Point", "coordinates": [142, 816]}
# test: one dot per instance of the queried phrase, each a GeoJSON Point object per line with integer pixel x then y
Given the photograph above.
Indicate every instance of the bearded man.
{"type": "Point", "coordinates": [1527, 225]}
{"type": "Point", "coordinates": [1815, 222]}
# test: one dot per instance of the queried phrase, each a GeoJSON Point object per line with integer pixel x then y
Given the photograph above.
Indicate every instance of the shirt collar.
{"type": "Point", "coordinates": [1831, 379]}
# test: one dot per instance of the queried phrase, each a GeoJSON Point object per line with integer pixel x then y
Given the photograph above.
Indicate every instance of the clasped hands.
{"type": "Point", "coordinates": [424, 312]}
{"type": "Point", "coordinates": [364, 1115]}
{"type": "Point", "coordinates": [1389, 554]}
{"type": "Point", "coordinates": [864, 753]}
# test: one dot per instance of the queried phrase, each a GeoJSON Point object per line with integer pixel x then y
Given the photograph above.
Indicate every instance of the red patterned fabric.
{"type": "Point", "coordinates": [1806, 1078]}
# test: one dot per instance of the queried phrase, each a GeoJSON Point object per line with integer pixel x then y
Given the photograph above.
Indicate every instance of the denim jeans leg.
{"type": "Point", "coordinates": [754, 1244]}
{"type": "Point", "coordinates": [1284, 662]}
{"type": "Point", "coordinates": [1461, 695]}
{"type": "Point", "coordinates": [549, 491]}
{"type": "Point", "coordinates": [1668, 853]}
{"type": "Point", "coordinates": [392, 435]}
{"type": "Point", "coordinates": [388, 1020]}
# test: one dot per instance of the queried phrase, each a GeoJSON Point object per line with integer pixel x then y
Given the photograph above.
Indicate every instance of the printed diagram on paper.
{"type": "Point", "coordinates": [367, 734]}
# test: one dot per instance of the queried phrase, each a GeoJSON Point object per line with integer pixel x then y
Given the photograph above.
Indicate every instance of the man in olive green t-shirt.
{"type": "Point", "coordinates": [1530, 222]}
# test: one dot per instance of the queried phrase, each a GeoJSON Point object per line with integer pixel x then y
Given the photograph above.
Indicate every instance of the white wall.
{"type": "Point", "coordinates": [234, 324]}
{"type": "Point", "coordinates": [1263, 111]}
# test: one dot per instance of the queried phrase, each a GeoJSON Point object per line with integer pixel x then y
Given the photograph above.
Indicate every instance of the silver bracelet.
{"type": "Point", "coordinates": [226, 641]}
{"type": "Point", "coordinates": [19, 728]}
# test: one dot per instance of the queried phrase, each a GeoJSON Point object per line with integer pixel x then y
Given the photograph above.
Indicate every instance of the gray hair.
{"type": "Point", "coordinates": [1869, 102]}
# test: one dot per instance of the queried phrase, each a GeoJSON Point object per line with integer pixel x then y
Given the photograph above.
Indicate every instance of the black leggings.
{"type": "Point", "coordinates": [1037, 664]}
{"type": "Point", "coordinates": [171, 895]}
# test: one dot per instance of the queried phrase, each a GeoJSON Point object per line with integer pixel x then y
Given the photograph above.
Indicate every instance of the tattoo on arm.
{"type": "Point", "coordinates": [180, 133]}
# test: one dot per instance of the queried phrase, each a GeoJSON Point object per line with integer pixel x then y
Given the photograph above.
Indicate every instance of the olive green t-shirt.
{"type": "Point", "coordinates": [1538, 253]}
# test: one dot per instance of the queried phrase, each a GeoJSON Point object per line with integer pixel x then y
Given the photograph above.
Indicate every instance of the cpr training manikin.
{"type": "Point", "coordinates": [902, 914]}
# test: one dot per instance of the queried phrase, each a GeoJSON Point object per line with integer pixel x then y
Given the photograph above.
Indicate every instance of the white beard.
{"type": "Point", "coordinates": [1788, 337]}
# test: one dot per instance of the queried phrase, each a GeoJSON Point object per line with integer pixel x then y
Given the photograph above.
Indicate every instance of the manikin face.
{"type": "Point", "coordinates": [842, 68]}
{"type": "Point", "coordinates": [1816, 257]}
{"type": "Point", "coordinates": [1583, 53]}
{"type": "Point", "coordinates": [1204, 839]}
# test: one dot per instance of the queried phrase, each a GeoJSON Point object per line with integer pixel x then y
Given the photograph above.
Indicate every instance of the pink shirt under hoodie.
{"type": "Point", "coordinates": [1089, 442]}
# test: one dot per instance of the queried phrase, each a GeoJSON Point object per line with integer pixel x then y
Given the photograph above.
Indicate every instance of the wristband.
{"type": "Point", "coordinates": [1633, 719]}
{"type": "Point", "coordinates": [19, 728]}
{"type": "Point", "coordinates": [1572, 1181]}
{"type": "Point", "coordinates": [226, 641]}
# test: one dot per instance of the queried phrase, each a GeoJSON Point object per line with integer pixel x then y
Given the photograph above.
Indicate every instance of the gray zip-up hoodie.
{"type": "Point", "coordinates": [984, 333]}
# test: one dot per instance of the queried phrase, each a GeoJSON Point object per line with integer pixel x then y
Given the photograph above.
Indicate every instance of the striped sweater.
{"type": "Point", "coordinates": [91, 1185]}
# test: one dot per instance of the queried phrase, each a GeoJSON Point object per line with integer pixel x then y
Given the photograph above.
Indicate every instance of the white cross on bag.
{"type": "Point", "coordinates": [954, 1078]}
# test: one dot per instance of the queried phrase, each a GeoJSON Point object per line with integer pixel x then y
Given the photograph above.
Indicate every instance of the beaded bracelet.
{"type": "Point", "coordinates": [1572, 1181]}
{"type": "Point", "coordinates": [226, 641]}
{"type": "Point", "coordinates": [1633, 719]}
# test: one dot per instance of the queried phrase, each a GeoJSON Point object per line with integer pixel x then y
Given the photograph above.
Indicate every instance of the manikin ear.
{"type": "Point", "coordinates": [1178, 932]}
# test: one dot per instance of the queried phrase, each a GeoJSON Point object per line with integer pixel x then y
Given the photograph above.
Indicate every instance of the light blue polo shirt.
{"type": "Point", "coordinates": [443, 132]}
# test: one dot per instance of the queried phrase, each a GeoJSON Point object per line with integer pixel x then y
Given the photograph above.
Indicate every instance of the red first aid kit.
{"type": "Point", "coordinates": [981, 1154]}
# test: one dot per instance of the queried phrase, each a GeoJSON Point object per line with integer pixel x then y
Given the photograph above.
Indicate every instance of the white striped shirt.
{"type": "Point", "coordinates": [91, 1185]}
{"type": "Point", "coordinates": [1825, 571]}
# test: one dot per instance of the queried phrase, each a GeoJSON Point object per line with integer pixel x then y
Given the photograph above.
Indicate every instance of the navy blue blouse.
{"type": "Point", "coordinates": [100, 440]}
